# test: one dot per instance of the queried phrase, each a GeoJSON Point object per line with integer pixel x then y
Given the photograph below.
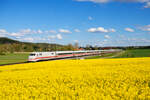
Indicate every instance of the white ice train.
{"type": "Point", "coordinates": [37, 56]}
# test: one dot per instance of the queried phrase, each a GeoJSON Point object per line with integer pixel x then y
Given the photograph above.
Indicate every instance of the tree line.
{"type": "Point", "coordinates": [16, 47]}
{"type": "Point", "coordinates": [10, 46]}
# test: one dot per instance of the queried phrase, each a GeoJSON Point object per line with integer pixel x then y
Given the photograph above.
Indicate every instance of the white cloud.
{"type": "Point", "coordinates": [64, 31]}
{"type": "Point", "coordinates": [145, 28]}
{"type": "Point", "coordinates": [2, 35]}
{"type": "Point", "coordinates": [23, 34]}
{"type": "Point", "coordinates": [59, 36]}
{"type": "Point", "coordinates": [76, 41]}
{"type": "Point", "coordinates": [39, 31]}
{"type": "Point", "coordinates": [101, 30]}
{"type": "Point", "coordinates": [40, 39]}
{"type": "Point", "coordinates": [77, 30]}
{"type": "Point", "coordinates": [106, 1]}
{"type": "Point", "coordinates": [16, 34]}
{"type": "Point", "coordinates": [95, 1]}
{"type": "Point", "coordinates": [105, 41]}
{"type": "Point", "coordinates": [33, 32]}
{"type": "Point", "coordinates": [52, 31]}
{"type": "Point", "coordinates": [25, 31]}
{"type": "Point", "coordinates": [28, 39]}
{"type": "Point", "coordinates": [112, 30]}
{"type": "Point", "coordinates": [107, 36]}
{"type": "Point", "coordinates": [46, 31]}
{"type": "Point", "coordinates": [52, 37]}
{"type": "Point", "coordinates": [92, 30]}
{"type": "Point", "coordinates": [90, 18]}
{"type": "Point", "coordinates": [29, 31]}
{"type": "Point", "coordinates": [3, 31]}
{"type": "Point", "coordinates": [129, 29]}
{"type": "Point", "coordinates": [141, 1]}
{"type": "Point", "coordinates": [131, 41]}
{"type": "Point", "coordinates": [147, 5]}
{"type": "Point", "coordinates": [20, 33]}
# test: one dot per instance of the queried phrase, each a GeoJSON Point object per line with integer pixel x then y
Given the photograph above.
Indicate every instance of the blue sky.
{"type": "Point", "coordinates": [95, 22]}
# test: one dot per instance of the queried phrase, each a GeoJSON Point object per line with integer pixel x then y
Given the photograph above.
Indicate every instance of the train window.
{"type": "Point", "coordinates": [40, 54]}
{"type": "Point", "coordinates": [52, 53]}
{"type": "Point", "coordinates": [32, 54]}
{"type": "Point", "coordinates": [79, 52]}
{"type": "Point", "coordinates": [64, 53]}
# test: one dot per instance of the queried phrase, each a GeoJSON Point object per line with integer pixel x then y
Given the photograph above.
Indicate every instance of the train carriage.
{"type": "Point", "coordinates": [36, 56]}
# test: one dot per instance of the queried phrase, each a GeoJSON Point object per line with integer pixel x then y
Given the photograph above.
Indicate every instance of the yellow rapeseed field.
{"type": "Point", "coordinates": [107, 79]}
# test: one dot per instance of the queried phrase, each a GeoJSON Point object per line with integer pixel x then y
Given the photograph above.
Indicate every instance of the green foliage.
{"type": "Point", "coordinates": [10, 46]}
{"type": "Point", "coordinates": [93, 57]}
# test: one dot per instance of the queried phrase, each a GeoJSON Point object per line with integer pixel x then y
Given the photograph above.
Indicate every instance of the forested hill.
{"type": "Point", "coordinates": [9, 45]}
{"type": "Point", "coordinates": [4, 40]}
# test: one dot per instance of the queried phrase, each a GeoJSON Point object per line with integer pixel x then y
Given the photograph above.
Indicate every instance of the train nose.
{"type": "Point", "coordinates": [31, 58]}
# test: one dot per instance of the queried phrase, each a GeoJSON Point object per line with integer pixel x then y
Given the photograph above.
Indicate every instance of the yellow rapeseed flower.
{"type": "Point", "coordinates": [101, 79]}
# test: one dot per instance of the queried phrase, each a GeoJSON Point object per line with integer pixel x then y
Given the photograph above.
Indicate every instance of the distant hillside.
{"type": "Point", "coordinates": [10, 45]}
{"type": "Point", "coordinates": [4, 40]}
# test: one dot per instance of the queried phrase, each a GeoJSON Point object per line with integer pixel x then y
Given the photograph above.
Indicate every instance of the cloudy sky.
{"type": "Point", "coordinates": [95, 22]}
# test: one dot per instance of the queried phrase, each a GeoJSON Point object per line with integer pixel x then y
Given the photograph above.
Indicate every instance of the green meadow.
{"type": "Point", "coordinates": [13, 58]}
